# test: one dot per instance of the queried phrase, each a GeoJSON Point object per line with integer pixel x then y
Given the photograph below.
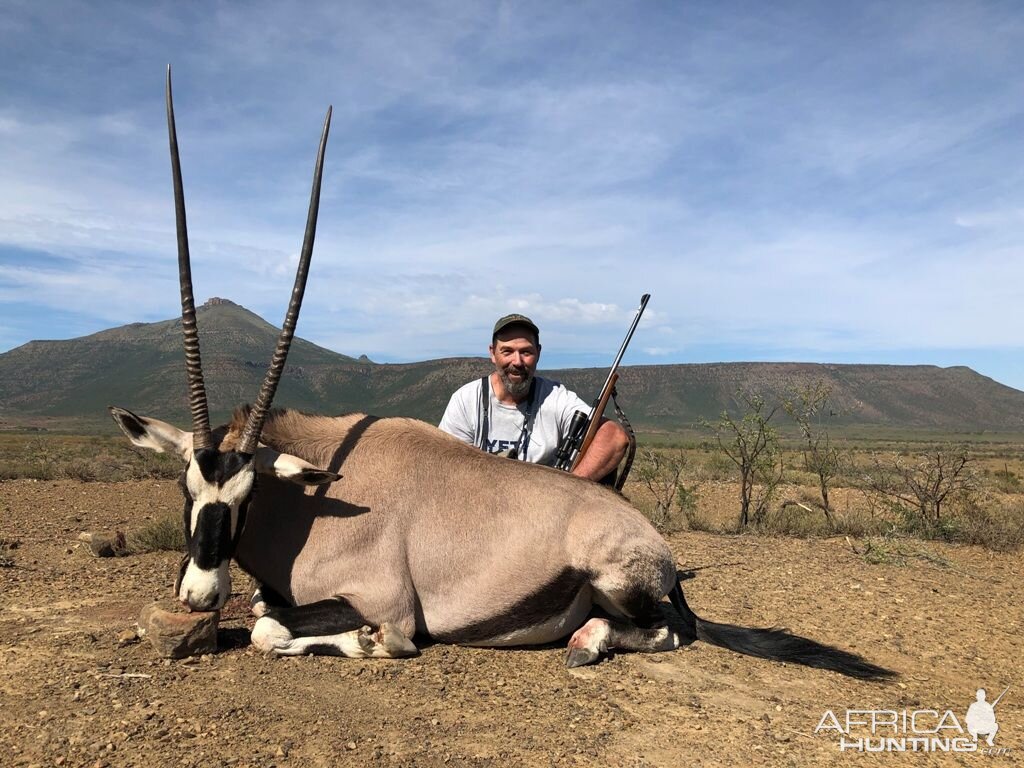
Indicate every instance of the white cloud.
{"type": "Point", "coordinates": [778, 180]}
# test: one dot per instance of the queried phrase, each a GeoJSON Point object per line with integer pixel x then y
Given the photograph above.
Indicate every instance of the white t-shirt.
{"type": "Point", "coordinates": [555, 408]}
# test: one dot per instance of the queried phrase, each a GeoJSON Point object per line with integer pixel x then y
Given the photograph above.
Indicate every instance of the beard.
{"type": "Point", "coordinates": [517, 388]}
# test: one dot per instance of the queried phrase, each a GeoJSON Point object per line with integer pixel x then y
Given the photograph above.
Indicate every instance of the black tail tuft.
{"type": "Point", "coordinates": [777, 644]}
{"type": "Point", "coordinates": [780, 645]}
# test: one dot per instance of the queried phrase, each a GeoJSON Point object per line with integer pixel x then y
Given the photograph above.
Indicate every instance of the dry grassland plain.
{"type": "Point", "coordinates": [945, 614]}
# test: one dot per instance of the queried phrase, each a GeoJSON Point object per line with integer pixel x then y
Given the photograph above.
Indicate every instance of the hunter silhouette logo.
{"type": "Point", "coordinates": [981, 717]}
{"type": "Point", "coordinates": [918, 730]}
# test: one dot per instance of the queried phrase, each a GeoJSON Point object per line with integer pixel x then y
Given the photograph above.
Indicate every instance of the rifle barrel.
{"type": "Point", "coordinates": [1000, 697]}
{"type": "Point", "coordinates": [625, 342]}
{"type": "Point", "coordinates": [574, 444]}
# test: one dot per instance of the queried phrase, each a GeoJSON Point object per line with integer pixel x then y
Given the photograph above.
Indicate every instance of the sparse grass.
{"type": "Point", "coordinates": [707, 499]}
{"type": "Point", "coordinates": [77, 457]}
{"type": "Point", "coordinates": [890, 550]}
{"type": "Point", "coordinates": [664, 520]}
{"type": "Point", "coordinates": [165, 534]}
{"type": "Point", "coordinates": [1005, 480]}
{"type": "Point", "coordinates": [715, 465]}
{"type": "Point", "coordinates": [991, 518]}
{"type": "Point", "coordinates": [881, 552]}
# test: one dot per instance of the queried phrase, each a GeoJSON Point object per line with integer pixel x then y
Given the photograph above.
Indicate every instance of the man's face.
{"type": "Point", "coordinates": [515, 353]}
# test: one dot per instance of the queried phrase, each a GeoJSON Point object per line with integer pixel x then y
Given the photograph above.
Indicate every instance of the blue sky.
{"type": "Point", "coordinates": [791, 181]}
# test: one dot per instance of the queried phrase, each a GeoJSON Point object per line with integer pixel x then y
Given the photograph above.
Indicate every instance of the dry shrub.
{"type": "Point", "coordinates": [695, 521]}
{"type": "Point", "coordinates": [861, 524]}
{"type": "Point", "coordinates": [997, 524]}
{"type": "Point", "coordinates": [164, 534]}
{"type": "Point", "coordinates": [665, 499]}
{"type": "Point", "coordinates": [792, 520]}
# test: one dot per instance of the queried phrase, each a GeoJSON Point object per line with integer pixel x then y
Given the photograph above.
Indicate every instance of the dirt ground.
{"type": "Point", "coordinates": [70, 695]}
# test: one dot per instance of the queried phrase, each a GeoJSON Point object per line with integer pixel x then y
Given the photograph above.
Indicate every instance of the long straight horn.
{"type": "Point", "coordinates": [202, 436]}
{"type": "Point", "coordinates": [254, 425]}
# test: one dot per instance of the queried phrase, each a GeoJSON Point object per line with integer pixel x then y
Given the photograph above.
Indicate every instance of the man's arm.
{"type": "Point", "coordinates": [605, 452]}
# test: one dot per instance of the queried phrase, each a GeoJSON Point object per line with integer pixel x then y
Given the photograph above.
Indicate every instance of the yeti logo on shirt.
{"type": "Point", "coordinates": [502, 446]}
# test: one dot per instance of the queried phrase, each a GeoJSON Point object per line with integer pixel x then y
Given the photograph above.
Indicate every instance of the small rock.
{"type": "Point", "coordinates": [176, 634]}
{"type": "Point", "coordinates": [106, 544]}
{"type": "Point", "coordinates": [350, 746]}
{"type": "Point", "coordinates": [127, 637]}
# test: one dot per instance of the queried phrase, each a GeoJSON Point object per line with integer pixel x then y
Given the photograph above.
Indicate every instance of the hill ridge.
{"type": "Point", "coordinates": [68, 383]}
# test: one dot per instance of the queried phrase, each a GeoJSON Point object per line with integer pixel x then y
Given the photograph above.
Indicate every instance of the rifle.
{"type": "Point", "coordinates": [583, 428]}
{"type": "Point", "coordinates": [1000, 697]}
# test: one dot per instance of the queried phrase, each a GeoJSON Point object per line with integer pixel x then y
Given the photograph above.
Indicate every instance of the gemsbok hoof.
{"type": "Point", "coordinates": [579, 657]}
{"type": "Point", "coordinates": [394, 642]}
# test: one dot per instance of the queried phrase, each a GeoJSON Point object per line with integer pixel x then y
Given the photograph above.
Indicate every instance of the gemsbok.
{"type": "Point", "coordinates": [368, 532]}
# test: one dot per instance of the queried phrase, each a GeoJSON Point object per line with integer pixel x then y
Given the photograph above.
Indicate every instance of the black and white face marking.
{"type": "Point", "coordinates": [217, 489]}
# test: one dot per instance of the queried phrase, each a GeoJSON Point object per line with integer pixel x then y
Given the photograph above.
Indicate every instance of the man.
{"type": "Point", "coordinates": [524, 416]}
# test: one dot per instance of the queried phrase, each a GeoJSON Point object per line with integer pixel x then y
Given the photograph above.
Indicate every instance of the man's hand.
{"type": "Point", "coordinates": [605, 452]}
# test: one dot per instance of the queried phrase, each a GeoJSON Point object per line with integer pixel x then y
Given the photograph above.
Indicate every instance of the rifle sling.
{"type": "Point", "coordinates": [485, 410]}
{"type": "Point", "coordinates": [631, 451]}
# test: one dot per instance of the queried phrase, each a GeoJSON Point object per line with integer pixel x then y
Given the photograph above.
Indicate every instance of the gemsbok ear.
{"type": "Point", "coordinates": [284, 466]}
{"type": "Point", "coordinates": [153, 434]}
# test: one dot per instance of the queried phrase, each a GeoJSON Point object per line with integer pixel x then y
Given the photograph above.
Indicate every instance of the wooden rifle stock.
{"type": "Point", "coordinates": [595, 420]}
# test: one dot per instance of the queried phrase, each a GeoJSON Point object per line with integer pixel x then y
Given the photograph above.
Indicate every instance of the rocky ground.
{"type": "Point", "coordinates": [74, 691]}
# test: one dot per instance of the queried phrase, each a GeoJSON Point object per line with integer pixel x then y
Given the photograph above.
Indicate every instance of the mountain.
{"type": "Point", "coordinates": [68, 384]}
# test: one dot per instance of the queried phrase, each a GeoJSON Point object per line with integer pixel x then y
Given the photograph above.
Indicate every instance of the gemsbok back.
{"type": "Point", "coordinates": [367, 532]}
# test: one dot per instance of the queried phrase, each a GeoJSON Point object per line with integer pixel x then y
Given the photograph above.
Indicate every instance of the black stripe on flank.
{"type": "Point", "coordinates": [550, 600]}
{"type": "Point", "coordinates": [325, 617]}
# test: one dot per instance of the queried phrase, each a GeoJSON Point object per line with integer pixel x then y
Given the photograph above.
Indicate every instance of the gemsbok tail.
{"type": "Point", "coordinates": [776, 644]}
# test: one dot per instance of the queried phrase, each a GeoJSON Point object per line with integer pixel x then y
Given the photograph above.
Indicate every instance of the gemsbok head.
{"type": "Point", "coordinates": [220, 472]}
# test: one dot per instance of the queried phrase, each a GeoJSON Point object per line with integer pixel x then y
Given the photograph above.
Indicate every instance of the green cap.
{"type": "Point", "coordinates": [515, 319]}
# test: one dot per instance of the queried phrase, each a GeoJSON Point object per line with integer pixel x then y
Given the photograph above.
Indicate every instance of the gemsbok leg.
{"type": "Point", "coordinates": [601, 635]}
{"type": "Point", "coordinates": [327, 628]}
